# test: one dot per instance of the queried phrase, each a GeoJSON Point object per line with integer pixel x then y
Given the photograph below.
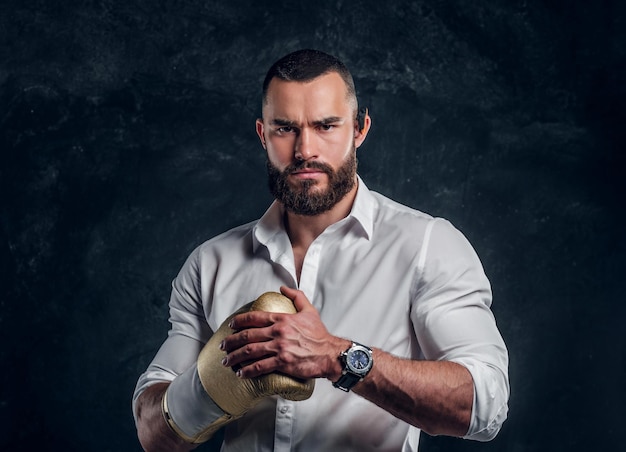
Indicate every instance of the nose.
{"type": "Point", "coordinates": [306, 147]}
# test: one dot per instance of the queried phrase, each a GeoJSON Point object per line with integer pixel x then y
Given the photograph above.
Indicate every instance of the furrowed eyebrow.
{"type": "Point", "coordinates": [329, 120]}
{"type": "Point", "coordinates": [282, 122]}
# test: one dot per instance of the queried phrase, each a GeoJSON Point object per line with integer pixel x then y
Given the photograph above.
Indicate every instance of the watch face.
{"type": "Point", "coordinates": [359, 361]}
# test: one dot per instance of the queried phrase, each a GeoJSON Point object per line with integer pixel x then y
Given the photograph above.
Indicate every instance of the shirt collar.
{"type": "Point", "coordinates": [363, 208]}
{"type": "Point", "coordinates": [271, 223]}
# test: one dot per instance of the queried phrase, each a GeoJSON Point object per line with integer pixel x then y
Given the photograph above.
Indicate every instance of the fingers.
{"type": "Point", "coordinates": [251, 352]}
{"type": "Point", "coordinates": [248, 355]}
{"type": "Point", "coordinates": [265, 342]}
{"type": "Point", "coordinates": [245, 337]}
{"type": "Point", "coordinates": [252, 339]}
{"type": "Point", "coordinates": [300, 301]}
{"type": "Point", "coordinates": [257, 368]}
{"type": "Point", "coordinates": [289, 292]}
{"type": "Point", "coordinates": [253, 319]}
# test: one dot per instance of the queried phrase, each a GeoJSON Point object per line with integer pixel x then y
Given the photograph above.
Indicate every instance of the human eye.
{"type": "Point", "coordinates": [285, 129]}
{"type": "Point", "coordinates": [329, 124]}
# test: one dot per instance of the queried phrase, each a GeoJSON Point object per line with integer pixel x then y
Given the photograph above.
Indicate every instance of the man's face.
{"type": "Point", "coordinates": [302, 199]}
{"type": "Point", "coordinates": [310, 135]}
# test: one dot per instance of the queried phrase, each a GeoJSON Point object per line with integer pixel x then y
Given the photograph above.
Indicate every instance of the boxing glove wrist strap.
{"type": "Point", "coordinates": [189, 411]}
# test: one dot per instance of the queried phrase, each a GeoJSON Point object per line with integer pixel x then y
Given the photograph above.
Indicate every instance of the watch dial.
{"type": "Point", "coordinates": [359, 359]}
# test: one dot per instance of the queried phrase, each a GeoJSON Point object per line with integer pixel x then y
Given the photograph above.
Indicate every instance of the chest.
{"type": "Point", "coordinates": [361, 288]}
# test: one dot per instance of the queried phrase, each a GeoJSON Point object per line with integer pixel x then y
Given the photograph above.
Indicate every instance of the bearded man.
{"type": "Point", "coordinates": [387, 309]}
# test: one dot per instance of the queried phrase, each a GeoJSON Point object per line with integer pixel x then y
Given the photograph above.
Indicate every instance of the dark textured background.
{"type": "Point", "coordinates": [127, 138]}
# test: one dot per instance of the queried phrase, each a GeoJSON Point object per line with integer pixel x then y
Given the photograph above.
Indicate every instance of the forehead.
{"type": "Point", "coordinates": [326, 92]}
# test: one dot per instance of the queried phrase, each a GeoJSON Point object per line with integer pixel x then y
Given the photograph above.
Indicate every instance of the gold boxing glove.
{"type": "Point", "coordinates": [234, 396]}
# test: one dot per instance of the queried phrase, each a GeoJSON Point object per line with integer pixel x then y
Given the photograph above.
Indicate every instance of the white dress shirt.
{"type": "Point", "coordinates": [386, 276]}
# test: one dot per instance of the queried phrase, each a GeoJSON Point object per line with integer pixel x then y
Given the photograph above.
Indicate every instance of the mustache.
{"type": "Point", "coordinates": [302, 165]}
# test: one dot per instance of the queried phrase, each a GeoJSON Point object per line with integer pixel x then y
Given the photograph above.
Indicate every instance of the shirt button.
{"type": "Point", "coordinates": [284, 409]}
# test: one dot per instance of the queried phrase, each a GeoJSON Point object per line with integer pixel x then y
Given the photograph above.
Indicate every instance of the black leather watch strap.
{"type": "Point", "coordinates": [346, 382]}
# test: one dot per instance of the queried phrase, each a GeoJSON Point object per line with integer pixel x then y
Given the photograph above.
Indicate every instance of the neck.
{"type": "Point", "coordinates": [304, 229]}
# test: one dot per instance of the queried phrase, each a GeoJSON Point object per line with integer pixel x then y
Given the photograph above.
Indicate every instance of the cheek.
{"type": "Point", "coordinates": [279, 152]}
{"type": "Point", "coordinates": [340, 147]}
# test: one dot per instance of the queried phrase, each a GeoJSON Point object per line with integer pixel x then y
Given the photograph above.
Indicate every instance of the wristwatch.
{"type": "Point", "coordinates": [357, 362]}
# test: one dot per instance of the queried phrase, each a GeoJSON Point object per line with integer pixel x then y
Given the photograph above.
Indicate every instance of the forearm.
{"type": "Point", "coordinates": [436, 396]}
{"type": "Point", "coordinates": [152, 429]}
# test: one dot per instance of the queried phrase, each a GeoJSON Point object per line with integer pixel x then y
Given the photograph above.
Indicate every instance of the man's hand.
{"type": "Point", "coordinates": [298, 344]}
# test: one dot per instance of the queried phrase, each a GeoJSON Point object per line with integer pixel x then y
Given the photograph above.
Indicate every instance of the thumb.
{"type": "Point", "coordinates": [300, 301]}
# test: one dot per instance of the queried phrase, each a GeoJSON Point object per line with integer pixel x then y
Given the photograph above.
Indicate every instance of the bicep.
{"type": "Point", "coordinates": [453, 322]}
{"type": "Point", "coordinates": [451, 303]}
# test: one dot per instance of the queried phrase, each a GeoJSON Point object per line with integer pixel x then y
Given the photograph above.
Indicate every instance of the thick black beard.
{"type": "Point", "coordinates": [299, 200]}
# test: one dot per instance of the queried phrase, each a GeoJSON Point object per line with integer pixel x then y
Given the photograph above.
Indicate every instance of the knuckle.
{"type": "Point", "coordinates": [282, 360]}
{"type": "Point", "coordinates": [281, 330]}
{"type": "Point", "coordinates": [283, 355]}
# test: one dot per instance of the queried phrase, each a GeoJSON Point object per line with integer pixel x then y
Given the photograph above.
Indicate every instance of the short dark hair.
{"type": "Point", "coordinates": [306, 65]}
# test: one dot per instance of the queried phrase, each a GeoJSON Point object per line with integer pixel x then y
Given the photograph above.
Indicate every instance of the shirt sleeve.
{"type": "Point", "coordinates": [188, 333]}
{"type": "Point", "coordinates": [453, 321]}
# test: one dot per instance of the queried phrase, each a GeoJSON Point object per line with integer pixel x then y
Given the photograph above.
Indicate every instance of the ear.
{"type": "Point", "coordinates": [260, 131]}
{"type": "Point", "coordinates": [361, 130]}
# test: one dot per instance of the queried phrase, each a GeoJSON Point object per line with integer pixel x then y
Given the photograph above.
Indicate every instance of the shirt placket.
{"type": "Point", "coordinates": [283, 425]}
{"type": "Point", "coordinates": [311, 269]}
{"type": "Point", "coordinates": [285, 409]}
